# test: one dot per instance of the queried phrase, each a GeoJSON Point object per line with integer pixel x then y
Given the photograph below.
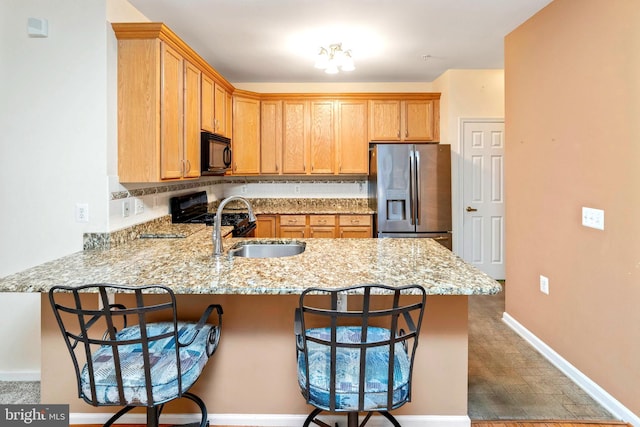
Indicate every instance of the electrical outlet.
{"type": "Point", "coordinates": [296, 189]}
{"type": "Point", "coordinates": [243, 189]}
{"type": "Point", "coordinates": [593, 218]}
{"type": "Point", "coordinates": [544, 284]}
{"type": "Point", "coordinates": [138, 206]}
{"type": "Point", "coordinates": [342, 302]}
{"type": "Point", "coordinates": [82, 212]}
{"type": "Point", "coordinates": [126, 208]}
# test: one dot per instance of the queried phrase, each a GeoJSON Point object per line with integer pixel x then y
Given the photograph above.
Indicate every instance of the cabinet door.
{"type": "Point", "coordinates": [265, 226]}
{"type": "Point", "coordinates": [220, 110]}
{"type": "Point", "coordinates": [271, 137]}
{"type": "Point", "coordinates": [246, 136]}
{"type": "Point", "coordinates": [355, 226]}
{"type": "Point", "coordinates": [355, 232]}
{"type": "Point", "coordinates": [171, 114]}
{"type": "Point", "coordinates": [352, 137]}
{"type": "Point", "coordinates": [322, 137]}
{"type": "Point", "coordinates": [229, 124]}
{"type": "Point", "coordinates": [292, 226]}
{"type": "Point", "coordinates": [192, 78]}
{"type": "Point", "coordinates": [419, 121]}
{"type": "Point", "coordinates": [294, 137]}
{"type": "Point", "coordinates": [384, 120]}
{"type": "Point", "coordinates": [207, 104]}
{"type": "Point", "coordinates": [293, 232]}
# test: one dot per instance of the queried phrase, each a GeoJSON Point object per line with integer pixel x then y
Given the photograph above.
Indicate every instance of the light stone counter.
{"type": "Point", "coordinates": [188, 267]}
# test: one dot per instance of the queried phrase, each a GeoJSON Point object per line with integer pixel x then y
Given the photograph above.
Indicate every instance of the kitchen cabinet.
{"type": "Point", "coordinates": [351, 226]}
{"type": "Point", "coordinates": [265, 226]}
{"type": "Point", "coordinates": [159, 104]}
{"type": "Point", "coordinates": [404, 120]}
{"type": "Point", "coordinates": [322, 137]}
{"type": "Point", "coordinates": [314, 136]}
{"type": "Point", "coordinates": [295, 136]}
{"type": "Point", "coordinates": [352, 140]}
{"type": "Point", "coordinates": [214, 109]}
{"type": "Point", "coordinates": [192, 79]}
{"type": "Point", "coordinates": [271, 137]}
{"type": "Point", "coordinates": [158, 110]}
{"type": "Point", "coordinates": [292, 226]}
{"type": "Point", "coordinates": [245, 145]}
{"type": "Point", "coordinates": [322, 226]}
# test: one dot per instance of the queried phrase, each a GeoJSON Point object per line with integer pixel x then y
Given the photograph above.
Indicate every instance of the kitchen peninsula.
{"type": "Point", "coordinates": [252, 377]}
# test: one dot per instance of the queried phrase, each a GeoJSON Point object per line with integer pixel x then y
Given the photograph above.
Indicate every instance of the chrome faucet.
{"type": "Point", "coordinates": [217, 237]}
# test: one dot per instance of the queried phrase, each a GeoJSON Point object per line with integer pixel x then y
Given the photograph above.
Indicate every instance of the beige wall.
{"type": "Point", "coordinates": [254, 369]}
{"type": "Point", "coordinates": [465, 94]}
{"type": "Point", "coordinates": [572, 77]}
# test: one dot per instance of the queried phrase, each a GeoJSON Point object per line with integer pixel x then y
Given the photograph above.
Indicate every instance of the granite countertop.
{"type": "Point", "coordinates": [188, 267]}
{"type": "Point", "coordinates": [305, 206]}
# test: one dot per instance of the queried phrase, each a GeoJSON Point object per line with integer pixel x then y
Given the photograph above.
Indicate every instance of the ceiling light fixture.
{"type": "Point", "coordinates": [334, 58]}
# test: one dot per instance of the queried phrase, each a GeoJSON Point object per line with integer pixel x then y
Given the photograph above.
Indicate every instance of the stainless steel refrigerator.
{"type": "Point", "coordinates": [410, 190]}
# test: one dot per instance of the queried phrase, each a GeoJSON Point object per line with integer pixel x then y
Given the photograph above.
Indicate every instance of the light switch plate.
{"type": "Point", "coordinates": [593, 218]}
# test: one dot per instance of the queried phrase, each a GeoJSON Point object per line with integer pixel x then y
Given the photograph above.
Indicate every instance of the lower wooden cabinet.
{"type": "Point", "coordinates": [314, 226]}
{"type": "Point", "coordinates": [358, 226]}
{"type": "Point", "coordinates": [292, 226]}
{"type": "Point", "coordinates": [322, 226]}
{"type": "Point", "coordinates": [265, 226]}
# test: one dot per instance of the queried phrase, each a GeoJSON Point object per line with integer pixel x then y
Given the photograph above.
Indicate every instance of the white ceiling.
{"type": "Point", "coordinates": [391, 40]}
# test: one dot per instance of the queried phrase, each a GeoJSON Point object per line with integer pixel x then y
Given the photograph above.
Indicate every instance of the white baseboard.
{"type": "Point", "coordinates": [273, 420]}
{"type": "Point", "coordinates": [599, 394]}
{"type": "Point", "coordinates": [19, 375]}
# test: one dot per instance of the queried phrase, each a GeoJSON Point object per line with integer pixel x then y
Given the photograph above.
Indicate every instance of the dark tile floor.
{"type": "Point", "coordinates": [509, 379]}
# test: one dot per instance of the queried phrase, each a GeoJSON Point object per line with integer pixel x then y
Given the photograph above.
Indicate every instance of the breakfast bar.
{"type": "Point", "coordinates": [252, 378]}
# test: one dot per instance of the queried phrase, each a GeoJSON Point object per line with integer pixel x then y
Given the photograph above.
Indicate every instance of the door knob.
{"type": "Point", "coordinates": [470, 209]}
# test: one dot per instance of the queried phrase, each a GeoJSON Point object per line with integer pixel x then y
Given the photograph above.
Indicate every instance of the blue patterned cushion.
{"type": "Point", "coordinates": [162, 355]}
{"type": "Point", "coordinates": [348, 368]}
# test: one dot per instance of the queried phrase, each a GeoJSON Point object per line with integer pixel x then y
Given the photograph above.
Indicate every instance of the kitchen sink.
{"type": "Point", "coordinates": [267, 249]}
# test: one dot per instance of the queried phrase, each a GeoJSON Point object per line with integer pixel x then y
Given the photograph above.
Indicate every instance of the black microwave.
{"type": "Point", "coordinates": [215, 154]}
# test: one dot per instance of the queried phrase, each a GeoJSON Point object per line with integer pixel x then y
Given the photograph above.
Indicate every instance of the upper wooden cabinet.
{"type": "Point", "coordinates": [295, 137]}
{"type": "Point", "coordinates": [159, 104]}
{"type": "Point", "coordinates": [158, 111]}
{"type": "Point", "coordinates": [216, 108]}
{"type": "Point", "coordinates": [352, 141]}
{"type": "Point", "coordinates": [245, 145]}
{"type": "Point", "coordinates": [404, 120]}
{"type": "Point", "coordinates": [322, 140]}
{"type": "Point", "coordinates": [314, 136]}
{"type": "Point", "coordinates": [271, 137]}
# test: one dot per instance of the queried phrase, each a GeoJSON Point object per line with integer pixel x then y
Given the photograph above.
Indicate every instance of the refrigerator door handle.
{"type": "Point", "coordinates": [417, 178]}
{"type": "Point", "coordinates": [411, 189]}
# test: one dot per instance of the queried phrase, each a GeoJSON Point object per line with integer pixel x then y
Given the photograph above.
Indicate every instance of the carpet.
{"type": "Point", "coordinates": [19, 392]}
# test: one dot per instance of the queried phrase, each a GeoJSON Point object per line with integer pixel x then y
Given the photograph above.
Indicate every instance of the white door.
{"type": "Point", "coordinates": [483, 194]}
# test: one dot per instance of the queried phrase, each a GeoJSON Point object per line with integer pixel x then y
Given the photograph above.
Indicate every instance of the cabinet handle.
{"type": "Point", "coordinates": [188, 166]}
{"type": "Point", "coordinates": [292, 221]}
{"type": "Point", "coordinates": [276, 167]}
{"type": "Point", "coordinates": [355, 221]}
{"type": "Point", "coordinates": [398, 134]}
{"type": "Point", "coordinates": [406, 133]}
{"type": "Point", "coordinates": [322, 221]}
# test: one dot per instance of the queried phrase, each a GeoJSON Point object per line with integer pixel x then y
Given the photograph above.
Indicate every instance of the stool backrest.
{"type": "Point", "coordinates": [89, 322]}
{"type": "Point", "coordinates": [379, 319]}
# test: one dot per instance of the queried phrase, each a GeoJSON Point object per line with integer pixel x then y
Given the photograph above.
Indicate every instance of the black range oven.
{"type": "Point", "coordinates": [193, 209]}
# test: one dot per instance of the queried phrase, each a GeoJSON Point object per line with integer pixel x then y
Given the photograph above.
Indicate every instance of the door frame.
{"type": "Point", "coordinates": [457, 181]}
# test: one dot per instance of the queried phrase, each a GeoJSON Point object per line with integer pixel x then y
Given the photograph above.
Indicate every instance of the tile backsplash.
{"type": "Point", "coordinates": [153, 200]}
